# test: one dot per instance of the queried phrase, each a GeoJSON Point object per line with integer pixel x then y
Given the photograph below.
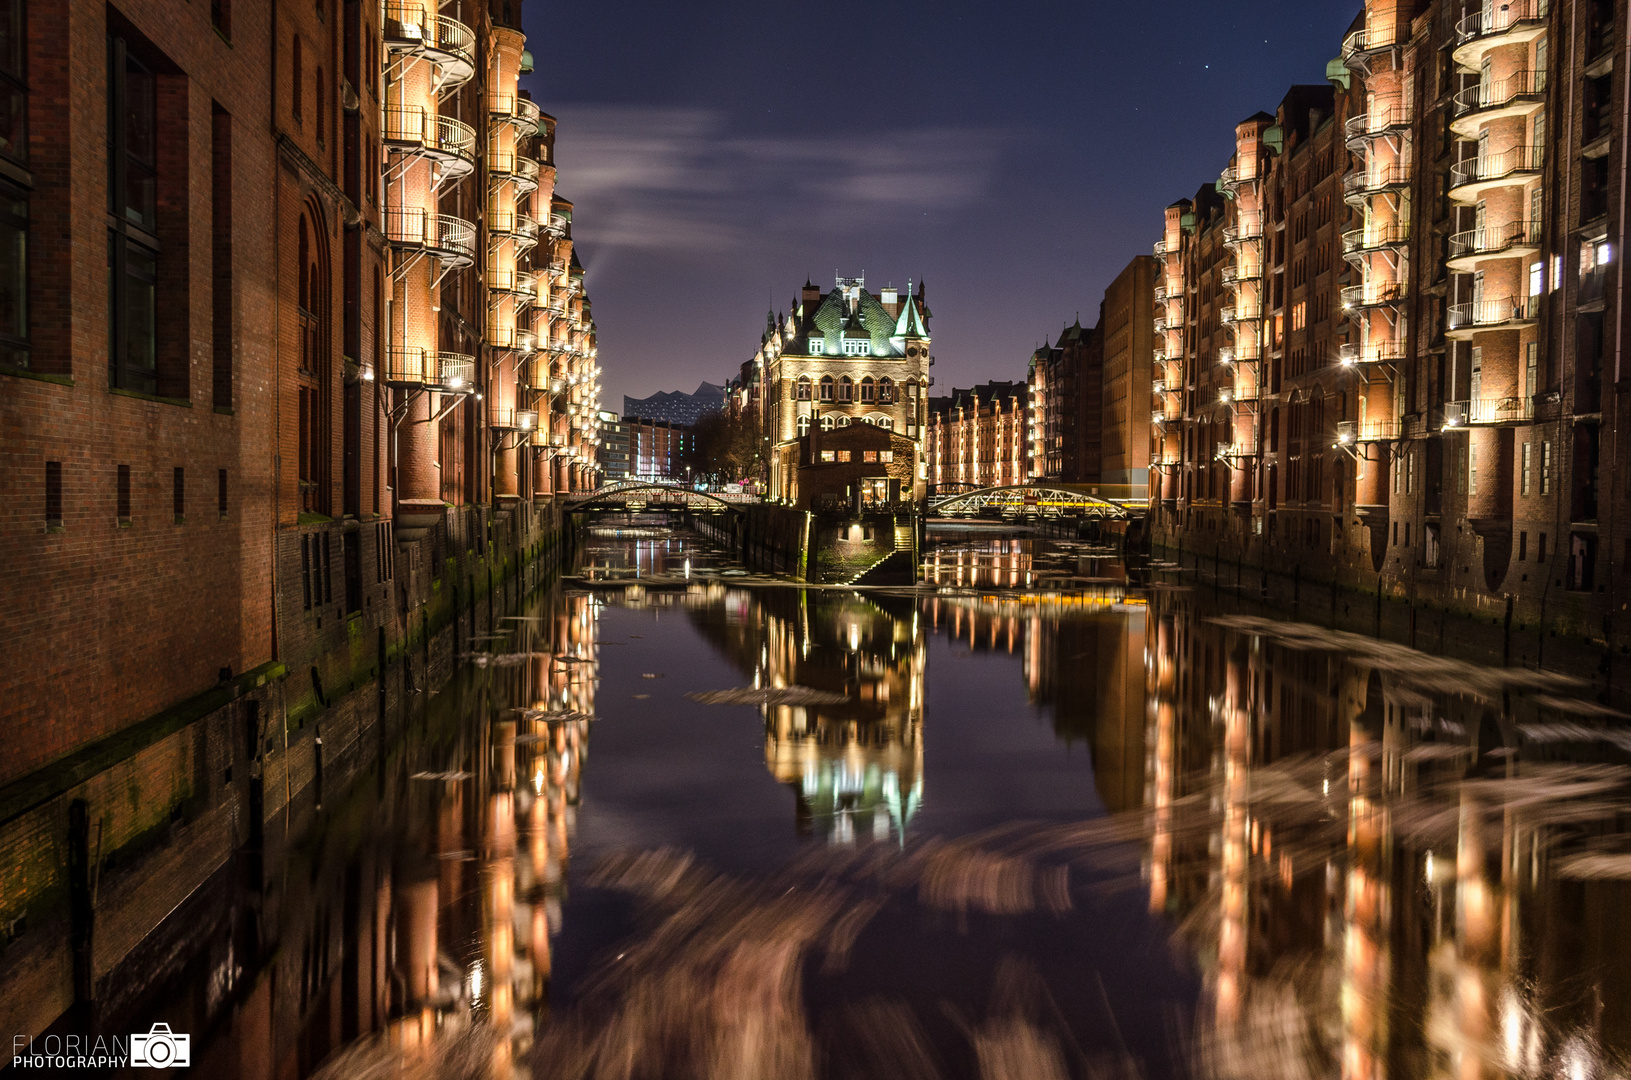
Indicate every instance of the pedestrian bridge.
{"type": "Point", "coordinates": [643, 495]}
{"type": "Point", "coordinates": [1104, 501]}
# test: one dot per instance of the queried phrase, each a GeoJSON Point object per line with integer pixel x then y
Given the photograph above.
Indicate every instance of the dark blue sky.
{"type": "Point", "coordinates": [1013, 155]}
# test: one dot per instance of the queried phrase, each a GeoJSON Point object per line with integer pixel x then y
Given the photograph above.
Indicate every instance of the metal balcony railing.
{"type": "Point", "coordinates": [408, 29]}
{"type": "Point", "coordinates": [1485, 313]}
{"type": "Point", "coordinates": [1500, 18]}
{"type": "Point", "coordinates": [516, 226]}
{"type": "Point", "coordinates": [527, 115]}
{"type": "Point", "coordinates": [412, 130]}
{"type": "Point", "coordinates": [449, 373]}
{"type": "Point", "coordinates": [505, 418]}
{"type": "Point", "coordinates": [1158, 416]}
{"type": "Point", "coordinates": [1163, 249]}
{"type": "Point", "coordinates": [1364, 181]}
{"type": "Point", "coordinates": [450, 239]}
{"type": "Point", "coordinates": [500, 163]}
{"type": "Point", "coordinates": [559, 224]}
{"type": "Point", "coordinates": [1515, 161]}
{"type": "Point", "coordinates": [1242, 352]}
{"type": "Point", "coordinates": [1500, 93]}
{"type": "Point", "coordinates": [1244, 229]}
{"type": "Point", "coordinates": [1372, 39]}
{"type": "Point", "coordinates": [1495, 239]}
{"type": "Point", "coordinates": [1385, 351]}
{"type": "Point", "coordinates": [1489, 411]}
{"type": "Point", "coordinates": [1241, 271]}
{"type": "Point", "coordinates": [1360, 297]}
{"type": "Point", "coordinates": [1386, 115]}
{"type": "Point", "coordinates": [1351, 432]}
{"type": "Point", "coordinates": [526, 173]}
{"type": "Point", "coordinates": [1375, 238]}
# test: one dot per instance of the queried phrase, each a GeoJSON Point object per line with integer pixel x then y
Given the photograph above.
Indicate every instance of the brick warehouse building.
{"type": "Point", "coordinates": [296, 351]}
{"type": "Point", "coordinates": [978, 437]}
{"type": "Point", "coordinates": [1389, 335]}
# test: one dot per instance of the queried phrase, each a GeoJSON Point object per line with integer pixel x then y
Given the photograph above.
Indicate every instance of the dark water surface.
{"type": "Point", "coordinates": [1026, 821]}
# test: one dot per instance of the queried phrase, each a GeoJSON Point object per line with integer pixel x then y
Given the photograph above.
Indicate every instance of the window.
{"type": "Point", "coordinates": [13, 82]}
{"type": "Point", "coordinates": [1531, 367]}
{"type": "Point", "coordinates": [221, 17]}
{"type": "Point", "coordinates": [13, 277]}
{"type": "Point", "coordinates": [886, 455]}
{"type": "Point", "coordinates": [846, 389]}
{"type": "Point", "coordinates": [1540, 549]}
{"type": "Point", "coordinates": [53, 494]}
{"type": "Point", "coordinates": [803, 426]}
{"type": "Point", "coordinates": [886, 391]}
{"type": "Point", "coordinates": [221, 492]}
{"type": "Point", "coordinates": [133, 212]}
{"type": "Point", "coordinates": [857, 346]}
{"type": "Point", "coordinates": [826, 423]}
{"type": "Point", "coordinates": [802, 390]}
{"type": "Point", "coordinates": [122, 510]}
{"type": "Point", "coordinates": [826, 388]}
{"type": "Point", "coordinates": [843, 421]}
{"type": "Point", "coordinates": [298, 83]}
{"type": "Point", "coordinates": [869, 390]}
{"type": "Point", "coordinates": [829, 455]}
{"type": "Point", "coordinates": [1523, 475]}
{"type": "Point", "coordinates": [818, 346]}
{"type": "Point", "coordinates": [1545, 472]}
{"type": "Point", "coordinates": [869, 455]}
{"type": "Point", "coordinates": [1472, 471]}
{"type": "Point", "coordinates": [178, 493]}
{"type": "Point", "coordinates": [843, 455]}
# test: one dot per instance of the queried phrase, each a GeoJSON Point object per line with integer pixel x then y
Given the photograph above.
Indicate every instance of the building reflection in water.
{"type": "Point", "coordinates": [855, 768]}
{"type": "Point", "coordinates": [1388, 866]}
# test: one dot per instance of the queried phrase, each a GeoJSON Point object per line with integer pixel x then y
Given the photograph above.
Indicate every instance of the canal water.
{"type": "Point", "coordinates": [1038, 818]}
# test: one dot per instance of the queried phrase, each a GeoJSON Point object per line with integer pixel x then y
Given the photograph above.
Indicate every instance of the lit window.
{"type": "Point", "coordinates": [857, 346]}
{"type": "Point", "coordinates": [828, 455]}
{"type": "Point", "coordinates": [818, 345]}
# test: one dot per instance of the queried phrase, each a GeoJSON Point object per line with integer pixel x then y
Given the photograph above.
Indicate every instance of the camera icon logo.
{"type": "Point", "coordinates": [161, 1048]}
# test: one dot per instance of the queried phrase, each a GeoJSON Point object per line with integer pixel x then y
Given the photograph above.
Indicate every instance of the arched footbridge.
{"type": "Point", "coordinates": [1102, 501]}
{"type": "Point", "coordinates": [636, 495]}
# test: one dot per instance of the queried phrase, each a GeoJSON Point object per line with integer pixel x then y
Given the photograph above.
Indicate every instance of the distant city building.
{"type": "Point", "coordinates": [677, 407]}
{"type": "Point", "coordinates": [658, 449]}
{"type": "Point", "coordinates": [1066, 382]}
{"type": "Point", "coordinates": [842, 357]}
{"type": "Point", "coordinates": [1128, 340]}
{"type": "Point", "coordinates": [613, 453]}
{"type": "Point", "coordinates": [978, 437]}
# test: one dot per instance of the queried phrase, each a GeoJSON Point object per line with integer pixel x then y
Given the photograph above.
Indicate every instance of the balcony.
{"type": "Point", "coordinates": [450, 239]}
{"type": "Point", "coordinates": [444, 372]}
{"type": "Point", "coordinates": [511, 337]}
{"type": "Point", "coordinates": [513, 226]}
{"type": "Point", "coordinates": [1489, 412]}
{"type": "Point", "coordinates": [1471, 178]}
{"type": "Point", "coordinates": [1243, 352]}
{"type": "Point", "coordinates": [525, 176]}
{"type": "Point", "coordinates": [1358, 298]}
{"type": "Point", "coordinates": [1363, 182]}
{"type": "Point", "coordinates": [1159, 416]}
{"type": "Point", "coordinates": [1160, 294]}
{"type": "Point", "coordinates": [1500, 23]}
{"type": "Point", "coordinates": [522, 285]}
{"type": "Point", "coordinates": [1513, 238]}
{"type": "Point", "coordinates": [1241, 312]}
{"type": "Point", "coordinates": [449, 142]}
{"type": "Point", "coordinates": [1388, 116]}
{"type": "Point", "coordinates": [1363, 44]}
{"type": "Point", "coordinates": [1386, 351]}
{"type": "Point", "coordinates": [1353, 432]}
{"type": "Point", "coordinates": [1241, 271]}
{"type": "Point", "coordinates": [559, 225]}
{"type": "Point", "coordinates": [500, 418]}
{"type": "Point", "coordinates": [1508, 313]}
{"type": "Point", "coordinates": [445, 42]}
{"type": "Point", "coordinates": [1357, 243]}
{"type": "Point", "coordinates": [1246, 229]}
{"type": "Point", "coordinates": [1231, 181]}
{"type": "Point", "coordinates": [527, 116]}
{"type": "Point", "coordinates": [1521, 94]}
{"type": "Point", "coordinates": [1163, 249]}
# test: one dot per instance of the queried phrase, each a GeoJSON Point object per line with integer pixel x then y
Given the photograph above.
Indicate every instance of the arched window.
{"type": "Point", "coordinates": [846, 389]}
{"type": "Point", "coordinates": [803, 391]}
{"type": "Point", "coordinates": [880, 420]}
{"type": "Point", "coordinates": [886, 391]}
{"type": "Point", "coordinates": [826, 388]}
{"type": "Point", "coordinates": [869, 390]}
{"type": "Point", "coordinates": [826, 423]}
{"type": "Point", "coordinates": [804, 426]}
{"type": "Point", "coordinates": [843, 420]}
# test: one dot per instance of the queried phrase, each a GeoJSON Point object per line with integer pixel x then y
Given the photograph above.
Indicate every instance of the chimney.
{"type": "Point", "coordinates": [809, 298]}
{"type": "Point", "coordinates": [890, 299]}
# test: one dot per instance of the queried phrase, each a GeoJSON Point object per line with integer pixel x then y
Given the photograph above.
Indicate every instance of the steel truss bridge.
{"type": "Point", "coordinates": [1032, 500]}
{"type": "Point", "coordinates": [639, 495]}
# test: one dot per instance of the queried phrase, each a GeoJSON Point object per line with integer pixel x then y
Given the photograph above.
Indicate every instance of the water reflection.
{"type": "Point", "coordinates": [1373, 864]}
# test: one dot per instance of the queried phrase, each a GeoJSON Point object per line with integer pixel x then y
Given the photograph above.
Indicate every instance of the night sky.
{"type": "Point", "coordinates": [1012, 155]}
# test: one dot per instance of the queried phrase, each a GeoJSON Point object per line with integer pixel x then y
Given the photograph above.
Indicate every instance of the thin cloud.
{"type": "Point", "coordinates": [672, 179]}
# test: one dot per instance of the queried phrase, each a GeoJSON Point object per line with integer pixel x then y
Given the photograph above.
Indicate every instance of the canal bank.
{"type": "Point", "coordinates": [102, 846]}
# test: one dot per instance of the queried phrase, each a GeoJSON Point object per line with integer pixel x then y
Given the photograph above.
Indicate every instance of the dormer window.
{"type": "Point", "coordinates": [857, 346]}
{"type": "Point", "coordinates": [818, 346]}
